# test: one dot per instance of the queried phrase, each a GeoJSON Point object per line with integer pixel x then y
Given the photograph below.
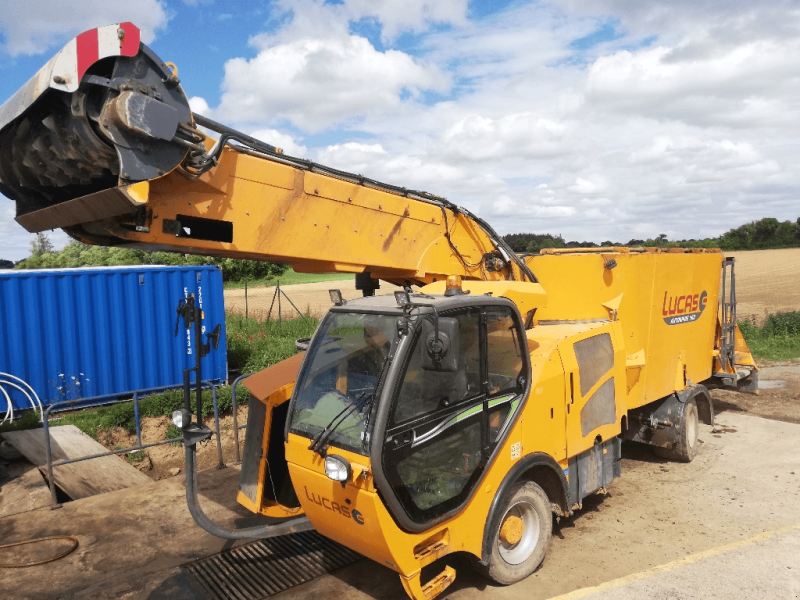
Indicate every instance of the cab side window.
{"type": "Point", "coordinates": [505, 366]}
{"type": "Point", "coordinates": [504, 353]}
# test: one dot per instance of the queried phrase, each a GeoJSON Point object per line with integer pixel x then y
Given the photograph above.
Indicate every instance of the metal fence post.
{"type": "Point", "coordinates": [236, 417]}
{"type": "Point", "coordinates": [245, 300]}
{"type": "Point", "coordinates": [278, 292]}
{"type": "Point", "coordinates": [49, 457]}
{"type": "Point", "coordinates": [136, 417]}
{"type": "Point", "coordinates": [221, 464]}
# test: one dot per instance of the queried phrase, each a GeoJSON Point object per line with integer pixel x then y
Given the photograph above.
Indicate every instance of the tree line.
{"type": "Point", "coordinates": [764, 234]}
{"type": "Point", "coordinates": [78, 254]}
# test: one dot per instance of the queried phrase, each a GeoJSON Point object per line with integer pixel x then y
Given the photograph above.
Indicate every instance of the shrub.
{"type": "Point", "coordinates": [778, 339]}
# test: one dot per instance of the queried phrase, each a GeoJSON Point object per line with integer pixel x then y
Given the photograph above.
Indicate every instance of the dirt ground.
{"type": "Point", "coordinates": [745, 481]}
{"type": "Point", "coordinates": [778, 397]}
{"type": "Point", "coordinates": [132, 543]}
{"type": "Point", "coordinates": [767, 281]}
{"type": "Point", "coordinates": [161, 461]}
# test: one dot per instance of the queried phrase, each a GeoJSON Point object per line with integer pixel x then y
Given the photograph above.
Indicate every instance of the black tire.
{"type": "Point", "coordinates": [687, 447]}
{"type": "Point", "coordinates": [509, 563]}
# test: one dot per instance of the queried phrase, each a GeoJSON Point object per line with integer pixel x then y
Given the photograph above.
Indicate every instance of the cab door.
{"type": "Point", "coordinates": [444, 426]}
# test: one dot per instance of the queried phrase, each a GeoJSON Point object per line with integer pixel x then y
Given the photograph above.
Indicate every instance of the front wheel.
{"type": "Point", "coordinates": [521, 537]}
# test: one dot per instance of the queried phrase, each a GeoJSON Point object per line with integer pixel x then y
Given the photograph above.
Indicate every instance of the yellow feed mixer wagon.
{"type": "Point", "coordinates": [491, 392]}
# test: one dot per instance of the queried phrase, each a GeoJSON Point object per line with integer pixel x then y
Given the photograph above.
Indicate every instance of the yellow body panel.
{"type": "Point", "coordinates": [314, 222]}
{"type": "Point", "coordinates": [654, 288]}
{"type": "Point", "coordinates": [379, 537]}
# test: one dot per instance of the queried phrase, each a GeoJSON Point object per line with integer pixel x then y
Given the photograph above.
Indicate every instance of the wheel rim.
{"type": "Point", "coordinates": [691, 426]}
{"type": "Point", "coordinates": [519, 552]}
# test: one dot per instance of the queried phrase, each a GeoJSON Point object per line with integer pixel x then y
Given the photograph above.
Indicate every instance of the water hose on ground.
{"type": "Point", "coordinates": [41, 562]}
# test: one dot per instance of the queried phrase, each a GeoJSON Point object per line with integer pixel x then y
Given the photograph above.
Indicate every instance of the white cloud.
{"type": "Point", "coordinates": [417, 172]}
{"type": "Point", "coordinates": [36, 26]}
{"type": "Point", "coordinates": [199, 105]}
{"type": "Point", "coordinates": [408, 15]}
{"type": "Point", "coordinates": [286, 142]}
{"type": "Point", "coordinates": [318, 82]}
{"type": "Point", "coordinates": [480, 138]}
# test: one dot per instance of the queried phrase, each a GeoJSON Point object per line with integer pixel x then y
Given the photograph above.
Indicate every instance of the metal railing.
{"type": "Point", "coordinates": [135, 397]}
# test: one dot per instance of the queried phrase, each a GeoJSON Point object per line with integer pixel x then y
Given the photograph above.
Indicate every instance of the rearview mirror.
{"type": "Point", "coordinates": [441, 355]}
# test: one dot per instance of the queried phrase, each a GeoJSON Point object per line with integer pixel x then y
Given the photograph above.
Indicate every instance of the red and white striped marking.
{"type": "Point", "coordinates": [65, 70]}
{"type": "Point", "coordinates": [82, 52]}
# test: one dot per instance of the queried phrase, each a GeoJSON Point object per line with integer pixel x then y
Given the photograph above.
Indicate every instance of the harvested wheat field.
{"type": "Point", "coordinates": [767, 281]}
{"type": "Point", "coordinates": [311, 299]}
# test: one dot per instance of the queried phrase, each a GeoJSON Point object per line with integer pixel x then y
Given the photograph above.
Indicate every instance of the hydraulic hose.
{"type": "Point", "coordinates": [262, 531]}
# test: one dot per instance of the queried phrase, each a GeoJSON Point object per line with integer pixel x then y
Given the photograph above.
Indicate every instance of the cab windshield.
{"type": "Point", "coordinates": [337, 386]}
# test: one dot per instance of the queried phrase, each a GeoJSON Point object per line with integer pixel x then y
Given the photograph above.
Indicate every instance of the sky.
{"type": "Point", "coordinates": [597, 120]}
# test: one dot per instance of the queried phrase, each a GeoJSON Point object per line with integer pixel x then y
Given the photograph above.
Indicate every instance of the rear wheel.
{"type": "Point", "coordinates": [686, 449]}
{"type": "Point", "coordinates": [521, 537]}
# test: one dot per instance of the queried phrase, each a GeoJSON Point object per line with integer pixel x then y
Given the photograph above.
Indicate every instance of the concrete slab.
{"type": "Point", "coordinates": [771, 562]}
{"type": "Point", "coordinates": [80, 479]}
{"type": "Point", "coordinates": [745, 481]}
{"type": "Point", "coordinates": [23, 489]}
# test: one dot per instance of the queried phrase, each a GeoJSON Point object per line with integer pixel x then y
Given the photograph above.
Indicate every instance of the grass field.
{"type": "Point", "coordinates": [777, 339]}
{"type": "Point", "coordinates": [290, 277]}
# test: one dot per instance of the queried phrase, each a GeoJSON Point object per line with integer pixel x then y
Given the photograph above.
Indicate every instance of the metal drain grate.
{"type": "Point", "coordinates": [266, 567]}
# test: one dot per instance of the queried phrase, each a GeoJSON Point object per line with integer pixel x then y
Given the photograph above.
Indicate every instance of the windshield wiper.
{"type": "Point", "coordinates": [320, 441]}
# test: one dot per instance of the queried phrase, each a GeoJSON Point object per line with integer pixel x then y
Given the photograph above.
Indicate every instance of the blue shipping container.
{"type": "Point", "coordinates": [98, 332]}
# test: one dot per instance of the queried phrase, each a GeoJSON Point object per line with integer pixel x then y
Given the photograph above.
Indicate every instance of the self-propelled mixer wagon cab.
{"type": "Point", "coordinates": [404, 433]}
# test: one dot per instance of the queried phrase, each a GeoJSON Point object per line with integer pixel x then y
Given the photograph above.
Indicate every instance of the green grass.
{"type": "Point", "coordinates": [174, 432]}
{"type": "Point", "coordinates": [254, 345]}
{"type": "Point", "coordinates": [290, 277]}
{"type": "Point", "coordinates": [135, 457]}
{"type": "Point", "coordinates": [92, 420]}
{"type": "Point", "coordinates": [777, 339]}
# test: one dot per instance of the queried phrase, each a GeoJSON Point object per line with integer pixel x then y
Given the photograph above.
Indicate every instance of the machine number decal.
{"type": "Point", "coordinates": [516, 450]}
{"type": "Point", "coordinates": [683, 309]}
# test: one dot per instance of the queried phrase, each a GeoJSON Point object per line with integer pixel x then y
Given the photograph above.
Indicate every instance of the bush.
{"type": "Point", "coordinates": [778, 339]}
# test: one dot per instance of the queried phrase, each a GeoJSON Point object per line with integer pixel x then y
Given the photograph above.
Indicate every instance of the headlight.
{"type": "Point", "coordinates": [181, 418]}
{"type": "Point", "coordinates": [337, 468]}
